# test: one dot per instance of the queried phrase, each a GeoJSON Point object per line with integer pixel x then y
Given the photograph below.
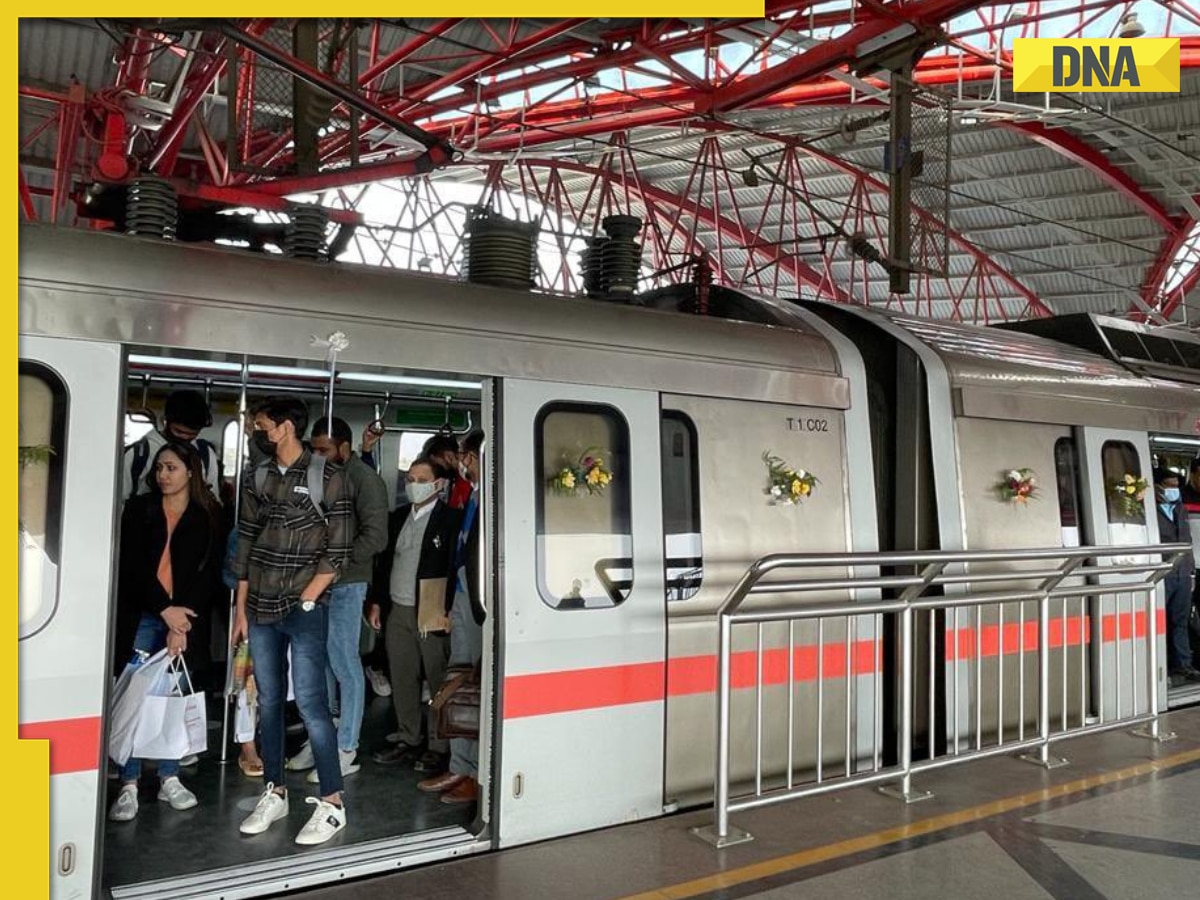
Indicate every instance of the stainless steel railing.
{"type": "Point", "coordinates": [1095, 572]}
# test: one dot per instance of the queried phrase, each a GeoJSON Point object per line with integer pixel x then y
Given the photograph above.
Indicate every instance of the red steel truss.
{"type": "Point", "coordinates": [555, 111]}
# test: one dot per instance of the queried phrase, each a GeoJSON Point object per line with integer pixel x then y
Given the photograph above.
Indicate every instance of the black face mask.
{"type": "Point", "coordinates": [264, 443]}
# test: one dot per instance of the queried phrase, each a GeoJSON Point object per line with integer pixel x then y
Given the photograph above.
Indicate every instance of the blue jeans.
{"type": "Point", "coordinates": [150, 638]}
{"type": "Point", "coordinates": [306, 633]}
{"type": "Point", "coordinates": [345, 672]}
{"type": "Point", "coordinates": [466, 646]}
{"type": "Point", "coordinates": [1179, 606]}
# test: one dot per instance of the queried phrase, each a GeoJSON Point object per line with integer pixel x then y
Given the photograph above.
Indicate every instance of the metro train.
{"type": "Point", "coordinates": [600, 640]}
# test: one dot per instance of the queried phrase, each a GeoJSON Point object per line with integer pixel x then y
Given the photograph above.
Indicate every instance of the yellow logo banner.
{"type": "Point", "coordinates": [1108, 65]}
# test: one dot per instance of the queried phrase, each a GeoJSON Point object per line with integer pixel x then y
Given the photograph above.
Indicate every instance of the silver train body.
{"type": "Point", "coordinates": [600, 644]}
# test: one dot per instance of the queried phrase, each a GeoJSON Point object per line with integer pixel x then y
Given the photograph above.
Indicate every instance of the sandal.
{"type": "Point", "coordinates": [251, 769]}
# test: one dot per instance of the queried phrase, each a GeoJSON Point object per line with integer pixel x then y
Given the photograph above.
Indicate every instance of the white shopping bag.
{"type": "Point", "coordinates": [172, 722]}
{"type": "Point", "coordinates": [131, 688]}
{"type": "Point", "coordinates": [245, 721]}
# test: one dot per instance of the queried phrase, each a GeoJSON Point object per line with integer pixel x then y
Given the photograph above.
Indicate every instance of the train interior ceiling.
{"type": "Point", "coordinates": [384, 802]}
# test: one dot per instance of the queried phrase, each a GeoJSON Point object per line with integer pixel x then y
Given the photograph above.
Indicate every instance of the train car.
{"type": "Point", "coordinates": [599, 665]}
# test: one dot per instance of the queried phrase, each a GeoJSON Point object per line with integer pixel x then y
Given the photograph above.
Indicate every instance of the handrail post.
{"type": "Point", "coordinates": [1042, 756]}
{"type": "Point", "coordinates": [721, 833]}
{"type": "Point", "coordinates": [905, 791]}
{"type": "Point", "coordinates": [1150, 730]}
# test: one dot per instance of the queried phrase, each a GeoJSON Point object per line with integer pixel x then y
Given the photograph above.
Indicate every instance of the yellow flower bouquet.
{"type": "Point", "coordinates": [785, 484]}
{"type": "Point", "coordinates": [585, 474]}
{"type": "Point", "coordinates": [1129, 493]}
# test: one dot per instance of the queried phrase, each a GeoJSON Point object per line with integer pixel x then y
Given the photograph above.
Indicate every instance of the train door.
{"type": "Point", "coordinates": [67, 422]}
{"type": "Point", "coordinates": [1111, 462]}
{"type": "Point", "coordinates": [583, 612]}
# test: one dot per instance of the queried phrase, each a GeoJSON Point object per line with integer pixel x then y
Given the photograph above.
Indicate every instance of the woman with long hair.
{"type": "Point", "coordinates": [171, 550]}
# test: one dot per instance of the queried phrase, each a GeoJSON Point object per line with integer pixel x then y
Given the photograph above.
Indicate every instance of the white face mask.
{"type": "Point", "coordinates": [420, 492]}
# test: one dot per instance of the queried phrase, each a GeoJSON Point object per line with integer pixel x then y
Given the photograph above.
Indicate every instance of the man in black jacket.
{"type": "Point", "coordinates": [1173, 529]}
{"type": "Point", "coordinates": [460, 784]}
{"type": "Point", "coordinates": [414, 581]}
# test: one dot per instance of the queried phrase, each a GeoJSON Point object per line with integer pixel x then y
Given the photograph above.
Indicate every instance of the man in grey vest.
{"type": "Point", "coordinates": [417, 560]}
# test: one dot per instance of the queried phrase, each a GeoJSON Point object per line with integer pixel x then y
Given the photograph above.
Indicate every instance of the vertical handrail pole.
{"type": "Point", "coordinates": [1044, 678]}
{"type": "Point", "coordinates": [237, 508]}
{"type": "Point", "coordinates": [725, 626]}
{"type": "Point", "coordinates": [906, 726]}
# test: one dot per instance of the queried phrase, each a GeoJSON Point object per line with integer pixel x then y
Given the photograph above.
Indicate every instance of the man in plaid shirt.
{"type": "Point", "coordinates": [291, 545]}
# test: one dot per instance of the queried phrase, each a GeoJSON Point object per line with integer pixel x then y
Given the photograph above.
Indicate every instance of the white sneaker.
{"type": "Point", "coordinates": [302, 760]}
{"type": "Point", "coordinates": [125, 807]}
{"type": "Point", "coordinates": [270, 809]}
{"type": "Point", "coordinates": [345, 759]}
{"type": "Point", "coordinates": [176, 794]}
{"type": "Point", "coordinates": [379, 682]}
{"type": "Point", "coordinates": [327, 820]}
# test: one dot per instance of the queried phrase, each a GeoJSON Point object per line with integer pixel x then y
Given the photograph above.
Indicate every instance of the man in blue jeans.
{"type": "Point", "coordinates": [368, 496]}
{"type": "Point", "coordinates": [294, 534]}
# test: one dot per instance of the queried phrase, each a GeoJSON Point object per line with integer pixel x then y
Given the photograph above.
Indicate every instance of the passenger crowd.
{"type": "Point", "coordinates": [313, 554]}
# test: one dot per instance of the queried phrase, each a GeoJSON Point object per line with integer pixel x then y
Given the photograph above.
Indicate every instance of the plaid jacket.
{"type": "Point", "coordinates": [283, 542]}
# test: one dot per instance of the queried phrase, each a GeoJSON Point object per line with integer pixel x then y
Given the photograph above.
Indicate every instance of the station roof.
{"type": "Point", "coordinates": [760, 144]}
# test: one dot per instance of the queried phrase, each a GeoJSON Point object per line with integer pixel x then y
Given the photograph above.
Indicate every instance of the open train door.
{"type": "Point", "coordinates": [1108, 456]}
{"type": "Point", "coordinates": [68, 412]}
{"type": "Point", "coordinates": [582, 674]}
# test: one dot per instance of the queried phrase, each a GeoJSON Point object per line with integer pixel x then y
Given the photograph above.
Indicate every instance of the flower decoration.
{"type": "Point", "coordinates": [785, 484]}
{"type": "Point", "coordinates": [1017, 486]}
{"type": "Point", "coordinates": [1129, 492]}
{"type": "Point", "coordinates": [587, 473]}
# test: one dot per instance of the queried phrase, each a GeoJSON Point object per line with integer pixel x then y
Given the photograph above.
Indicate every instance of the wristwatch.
{"type": "Point", "coordinates": [308, 605]}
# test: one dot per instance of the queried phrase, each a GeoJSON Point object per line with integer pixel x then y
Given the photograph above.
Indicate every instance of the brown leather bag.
{"type": "Point", "coordinates": [456, 706]}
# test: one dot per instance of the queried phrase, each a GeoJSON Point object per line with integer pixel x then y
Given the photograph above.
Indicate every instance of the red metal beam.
{"type": "Point", "coordinates": [830, 54]}
{"type": "Point", "coordinates": [1066, 144]}
{"type": "Point", "coordinates": [26, 199]}
{"type": "Point", "coordinates": [1152, 295]}
{"type": "Point", "coordinates": [199, 81]}
{"type": "Point", "coordinates": [405, 50]}
{"type": "Point", "coordinates": [727, 227]}
{"type": "Point", "coordinates": [253, 199]}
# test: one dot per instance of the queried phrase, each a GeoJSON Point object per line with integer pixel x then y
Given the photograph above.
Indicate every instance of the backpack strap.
{"type": "Point", "coordinates": [316, 482]}
{"type": "Point", "coordinates": [315, 477]}
{"type": "Point", "coordinates": [141, 456]}
{"type": "Point", "coordinates": [208, 451]}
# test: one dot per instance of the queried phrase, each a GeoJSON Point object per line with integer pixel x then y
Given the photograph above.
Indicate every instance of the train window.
{"type": "Point", "coordinates": [681, 506]}
{"type": "Point", "coordinates": [41, 432]}
{"type": "Point", "coordinates": [1118, 459]}
{"type": "Point", "coordinates": [584, 538]}
{"type": "Point", "coordinates": [137, 426]}
{"type": "Point", "coordinates": [411, 444]}
{"type": "Point", "coordinates": [229, 447]}
{"type": "Point", "coordinates": [1066, 470]}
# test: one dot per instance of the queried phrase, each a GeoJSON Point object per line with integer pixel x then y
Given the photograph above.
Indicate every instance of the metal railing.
{"type": "Point", "coordinates": [1094, 573]}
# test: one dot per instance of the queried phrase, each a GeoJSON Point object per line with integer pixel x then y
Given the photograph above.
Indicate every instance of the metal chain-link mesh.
{"type": "Point", "coordinates": [930, 190]}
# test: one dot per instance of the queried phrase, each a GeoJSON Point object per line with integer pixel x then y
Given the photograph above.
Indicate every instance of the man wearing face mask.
{"type": "Point", "coordinates": [416, 560]}
{"type": "Point", "coordinates": [1173, 529]}
{"type": "Point", "coordinates": [443, 448]}
{"type": "Point", "coordinates": [344, 678]}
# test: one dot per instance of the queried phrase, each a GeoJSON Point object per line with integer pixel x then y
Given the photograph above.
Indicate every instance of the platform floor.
{"type": "Point", "coordinates": [1121, 821]}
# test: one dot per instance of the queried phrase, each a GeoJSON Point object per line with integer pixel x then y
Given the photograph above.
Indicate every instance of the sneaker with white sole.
{"type": "Point", "coordinates": [270, 809]}
{"type": "Point", "coordinates": [379, 682]}
{"type": "Point", "coordinates": [346, 759]}
{"type": "Point", "coordinates": [326, 821]}
{"type": "Point", "coordinates": [125, 807]}
{"type": "Point", "coordinates": [176, 794]}
{"type": "Point", "coordinates": [302, 760]}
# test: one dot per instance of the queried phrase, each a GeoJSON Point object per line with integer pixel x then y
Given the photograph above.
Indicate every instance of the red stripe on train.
{"type": "Point", "coordinates": [74, 743]}
{"type": "Point", "coordinates": [578, 689]}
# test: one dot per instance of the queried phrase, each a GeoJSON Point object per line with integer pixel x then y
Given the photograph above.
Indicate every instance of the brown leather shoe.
{"type": "Point", "coordinates": [438, 783]}
{"type": "Point", "coordinates": [466, 791]}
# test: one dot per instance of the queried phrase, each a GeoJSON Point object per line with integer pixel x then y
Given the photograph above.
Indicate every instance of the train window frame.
{"type": "Point", "coordinates": [1132, 466]}
{"type": "Point", "coordinates": [1071, 460]}
{"type": "Point", "coordinates": [60, 401]}
{"type": "Point", "coordinates": [692, 582]}
{"type": "Point", "coordinates": [229, 466]}
{"type": "Point", "coordinates": [620, 494]}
